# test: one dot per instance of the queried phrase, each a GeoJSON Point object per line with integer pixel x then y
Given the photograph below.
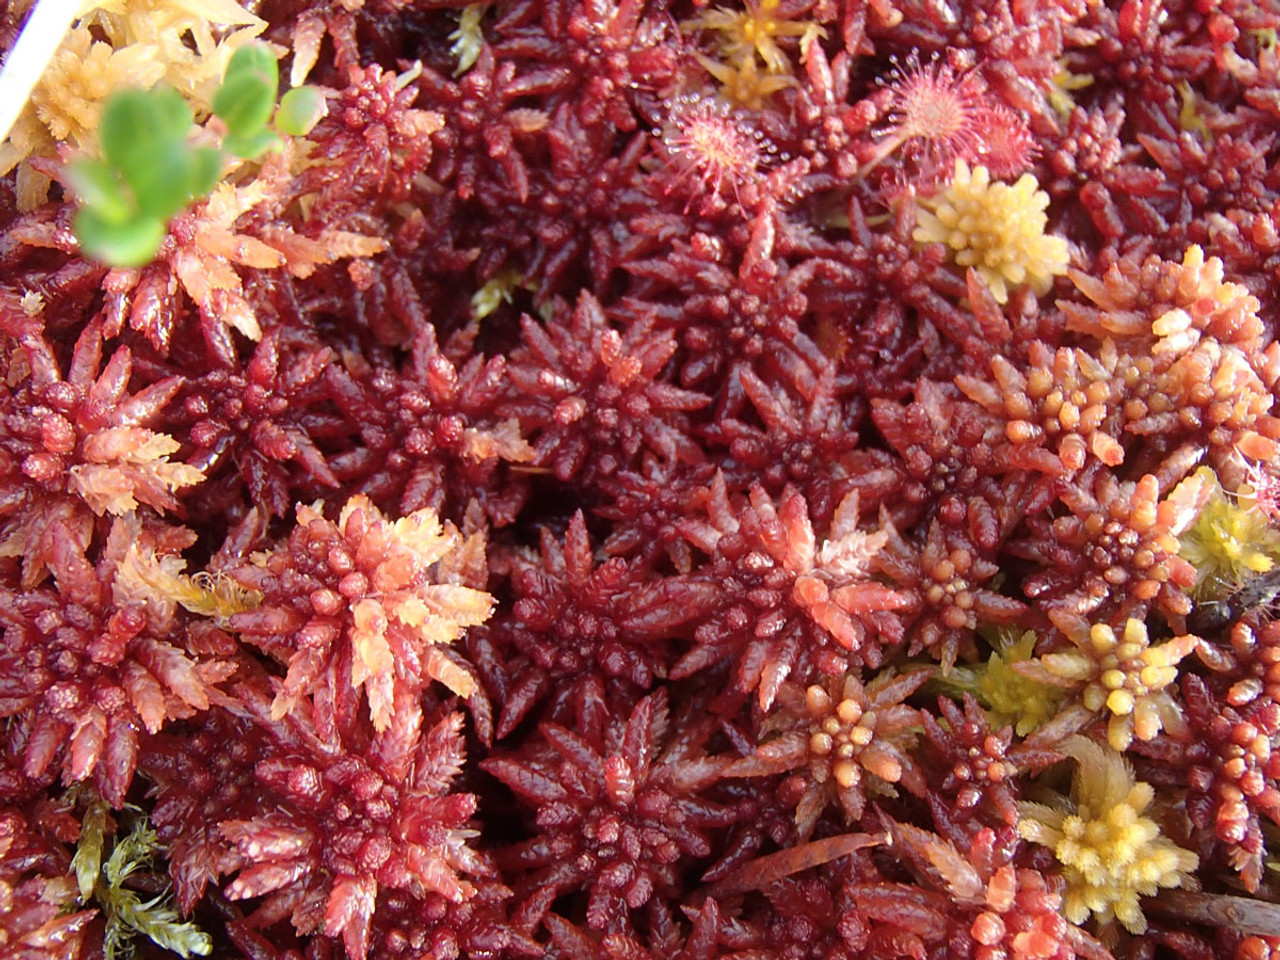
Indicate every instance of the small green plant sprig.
{"type": "Point", "coordinates": [127, 915]}
{"type": "Point", "coordinates": [150, 168]}
{"type": "Point", "coordinates": [247, 98]}
{"type": "Point", "coordinates": [147, 173]}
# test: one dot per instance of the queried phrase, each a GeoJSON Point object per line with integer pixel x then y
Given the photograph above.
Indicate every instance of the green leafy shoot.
{"type": "Point", "coordinates": [87, 862]}
{"type": "Point", "coordinates": [246, 100]}
{"type": "Point", "coordinates": [468, 39]}
{"type": "Point", "coordinates": [150, 169]}
{"type": "Point", "coordinates": [148, 172]}
{"type": "Point", "coordinates": [127, 914]}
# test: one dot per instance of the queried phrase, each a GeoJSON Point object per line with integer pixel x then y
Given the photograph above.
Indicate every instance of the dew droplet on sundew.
{"type": "Point", "coordinates": [711, 143]}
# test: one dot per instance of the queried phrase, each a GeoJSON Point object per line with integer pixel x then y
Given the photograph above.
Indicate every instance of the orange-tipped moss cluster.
{"type": "Point", "coordinates": [383, 601]}
{"type": "Point", "coordinates": [728, 480]}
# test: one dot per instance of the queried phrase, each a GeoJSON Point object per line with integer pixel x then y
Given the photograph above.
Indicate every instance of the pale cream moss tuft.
{"type": "Point", "coordinates": [754, 65]}
{"type": "Point", "coordinates": [996, 228]}
{"type": "Point", "coordinates": [158, 581]}
{"type": "Point", "coordinates": [1111, 852]}
{"type": "Point", "coordinates": [194, 39]}
{"type": "Point", "coordinates": [744, 84]}
{"type": "Point", "coordinates": [1229, 541]}
{"type": "Point", "coordinates": [1120, 673]}
{"type": "Point", "coordinates": [68, 99]}
{"type": "Point", "coordinates": [468, 39]}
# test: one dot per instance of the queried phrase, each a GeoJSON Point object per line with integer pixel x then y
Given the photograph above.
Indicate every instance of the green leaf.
{"type": "Point", "coordinates": [97, 185]}
{"type": "Point", "coordinates": [253, 145]}
{"type": "Point", "coordinates": [144, 136]}
{"type": "Point", "coordinates": [140, 126]}
{"type": "Point", "coordinates": [177, 176]}
{"type": "Point", "coordinates": [162, 187]}
{"type": "Point", "coordinates": [300, 110]}
{"type": "Point", "coordinates": [130, 244]}
{"type": "Point", "coordinates": [205, 170]}
{"type": "Point", "coordinates": [126, 913]}
{"type": "Point", "coordinates": [130, 854]}
{"type": "Point", "coordinates": [244, 103]}
{"type": "Point", "coordinates": [159, 922]}
{"type": "Point", "coordinates": [254, 58]}
{"type": "Point", "coordinates": [248, 92]}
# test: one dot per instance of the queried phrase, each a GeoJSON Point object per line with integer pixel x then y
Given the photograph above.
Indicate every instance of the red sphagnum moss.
{"type": "Point", "coordinates": [712, 480]}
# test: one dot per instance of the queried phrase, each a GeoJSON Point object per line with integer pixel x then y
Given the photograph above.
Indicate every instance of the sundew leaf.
{"type": "Point", "coordinates": [300, 110]}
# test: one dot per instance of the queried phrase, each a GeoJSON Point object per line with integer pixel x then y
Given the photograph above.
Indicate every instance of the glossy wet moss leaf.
{"type": "Point", "coordinates": [300, 110]}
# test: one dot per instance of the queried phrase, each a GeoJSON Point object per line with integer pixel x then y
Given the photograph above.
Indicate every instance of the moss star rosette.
{"type": "Point", "coordinates": [1110, 849]}
{"type": "Point", "coordinates": [1119, 672]}
{"type": "Point", "coordinates": [365, 598]}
